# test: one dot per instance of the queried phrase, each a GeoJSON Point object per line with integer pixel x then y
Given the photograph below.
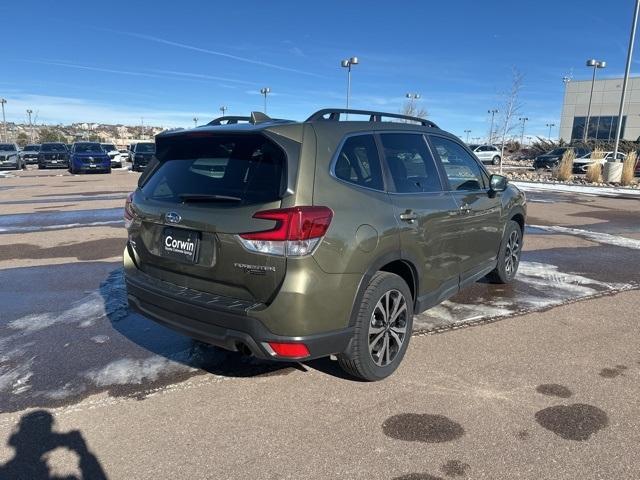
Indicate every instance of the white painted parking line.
{"type": "Point", "coordinates": [598, 237]}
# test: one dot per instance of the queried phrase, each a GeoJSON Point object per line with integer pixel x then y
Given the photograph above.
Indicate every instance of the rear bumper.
{"type": "Point", "coordinates": [225, 322]}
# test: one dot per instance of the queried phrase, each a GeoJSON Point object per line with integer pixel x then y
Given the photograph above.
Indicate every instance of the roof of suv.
{"type": "Point", "coordinates": [259, 121]}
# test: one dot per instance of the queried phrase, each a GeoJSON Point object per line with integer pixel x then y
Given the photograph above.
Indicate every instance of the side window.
{"type": "Point", "coordinates": [410, 163]}
{"type": "Point", "coordinates": [483, 149]}
{"type": "Point", "coordinates": [358, 162]}
{"type": "Point", "coordinates": [463, 171]}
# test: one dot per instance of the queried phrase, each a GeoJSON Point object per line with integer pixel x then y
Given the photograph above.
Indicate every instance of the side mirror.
{"type": "Point", "coordinates": [497, 183]}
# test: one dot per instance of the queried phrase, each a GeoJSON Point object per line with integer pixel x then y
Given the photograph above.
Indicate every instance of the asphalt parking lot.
{"type": "Point", "coordinates": [539, 379]}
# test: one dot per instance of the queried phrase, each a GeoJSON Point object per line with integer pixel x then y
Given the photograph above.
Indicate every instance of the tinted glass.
{"type": "Point", "coordinates": [32, 148]}
{"type": "Point", "coordinates": [87, 148]}
{"type": "Point", "coordinates": [109, 146]}
{"type": "Point", "coordinates": [7, 146]}
{"type": "Point", "coordinates": [358, 162]}
{"type": "Point", "coordinates": [410, 163]}
{"type": "Point", "coordinates": [145, 148]}
{"type": "Point", "coordinates": [473, 146]}
{"type": "Point", "coordinates": [53, 147]}
{"type": "Point", "coordinates": [248, 167]}
{"type": "Point", "coordinates": [463, 171]}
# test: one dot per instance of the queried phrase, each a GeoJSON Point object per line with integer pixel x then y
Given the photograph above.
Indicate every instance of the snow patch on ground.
{"type": "Point", "coordinates": [128, 371]}
{"type": "Point", "coordinates": [598, 237]}
{"type": "Point", "coordinates": [37, 228]}
{"type": "Point", "coordinates": [581, 189]}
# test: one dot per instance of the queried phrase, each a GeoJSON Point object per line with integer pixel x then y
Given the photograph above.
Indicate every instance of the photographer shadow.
{"type": "Point", "coordinates": [34, 439]}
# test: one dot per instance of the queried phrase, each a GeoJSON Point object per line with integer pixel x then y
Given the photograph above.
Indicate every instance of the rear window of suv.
{"type": "Point", "coordinates": [245, 169]}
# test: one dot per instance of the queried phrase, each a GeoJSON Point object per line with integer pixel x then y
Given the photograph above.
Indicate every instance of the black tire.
{"type": "Point", "coordinates": [507, 267]}
{"type": "Point", "coordinates": [108, 170]}
{"type": "Point", "coordinates": [359, 361]}
{"type": "Point", "coordinates": [40, 166]}
{"type": "Point", "coordinates": [495, 160]}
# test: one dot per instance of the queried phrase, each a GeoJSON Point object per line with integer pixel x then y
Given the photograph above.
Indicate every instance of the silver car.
{"type": "Point", "coordinates": [486, 153]}
{"type": "Point", "coordinates": [9, 157]}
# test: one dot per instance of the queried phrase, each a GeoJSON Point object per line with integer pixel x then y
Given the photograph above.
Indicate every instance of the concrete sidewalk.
{"type": "Point", "coordinates": [545, 395]}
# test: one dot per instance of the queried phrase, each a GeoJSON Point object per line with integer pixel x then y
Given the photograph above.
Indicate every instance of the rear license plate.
{"type": "Point", "coordinates": [180, 244]}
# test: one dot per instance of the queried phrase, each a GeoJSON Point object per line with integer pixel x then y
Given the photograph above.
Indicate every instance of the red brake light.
{"type": "Point", "coordinates": [297, 223]}
{"type": "Point", "coordinates": [290, 350]}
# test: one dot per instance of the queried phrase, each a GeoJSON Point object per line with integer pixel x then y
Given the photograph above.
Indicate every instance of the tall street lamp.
{"type": "Point", "coordinates": [550, 125]}
{"type": "Point", "coordinates": [632, 38]}
{"type": "Point", "coordinates": [29, 112]}
{"type": "Point", "coordinates": [195, 122]}
{"type": "Point", "coordinates": [413, 97]}
{"type": "Point", "coordinates": [595, 64]}
{"type": "Point", "coordinates": [4, 121]}
{"type": "Point", "coordinates": [348, 63]}
{"type": "Point", "coordinates": [223, 109]}
{"type": "Point", "coordinates": [493, 114]}
{"type": "Point", "coordinates": [467, 132]}
{"type": "Point", "coordinates": [265, 91]}
{"type": "Point", "coordinates": [523, 120]}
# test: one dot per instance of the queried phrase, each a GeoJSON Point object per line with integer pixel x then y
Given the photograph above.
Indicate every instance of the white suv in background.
{"type": "Point", "coordinates": [486, 153]}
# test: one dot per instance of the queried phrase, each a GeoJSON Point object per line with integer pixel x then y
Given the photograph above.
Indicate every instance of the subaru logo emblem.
{"type": "Point", "coordinates": [172, 217]}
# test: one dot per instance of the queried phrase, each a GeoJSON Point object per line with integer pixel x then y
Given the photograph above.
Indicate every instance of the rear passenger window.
{"type": "Point", "coordinates": [463, 171]}
{"type": "Point", "coordinates": [358, 162]}
{"type": "Point", "coordinates": [410, 163]}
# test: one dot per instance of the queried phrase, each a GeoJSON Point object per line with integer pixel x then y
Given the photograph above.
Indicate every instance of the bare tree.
{"type": "Point", "coordinates": [412, 110]}
{"type": "Point", "coordinates": [510, 108]}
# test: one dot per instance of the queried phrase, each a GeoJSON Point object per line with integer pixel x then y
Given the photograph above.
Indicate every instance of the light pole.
{"type": "Point", "coordinates": [195, 122]}
{"type": "Point", "coordinates": [493, 114]}
{"type": "Point", "coordinates": [142, 128]}
{"type": "Point", "coordinates": [413, 97]}
{"type": "Point", "coordinates": [467, 132]}
{"type": "Point", "coordinates": [523, 120]}
{"type": "Point", "coordinates": [632, 38]}
{"type": "Point", "coordinates": [550, 125]}
{"type": "Point", "coordinates": [29, 112]}
{"type": "Point", "coordinates": [4, 121]}
{"type": "Point", "coordinates": [223, 109]}
{"type": "Point", "coordinates": [595, 64]}
{"type": "Point", "coordinates": [348, 63]}
{"type": "Point", "coordinates": [265, 91]}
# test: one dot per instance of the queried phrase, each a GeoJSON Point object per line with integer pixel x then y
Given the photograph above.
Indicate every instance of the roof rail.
{"type": "Point", "coordinates": [255, 118]}
{"type": "Point", "coordinates": [334, 114]}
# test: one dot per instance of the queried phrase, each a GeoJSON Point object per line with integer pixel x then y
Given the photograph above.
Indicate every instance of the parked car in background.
{"type": "Point", "coordinates": [581, 164]}
{"type": "Point", "coordinates": [53, 155]}
{"type": "Point", "coordinates": [114, 154]}
{"type": "Point", "coordinates": [89, 157]}
{"type": "Point", "coordinates": [9, 156]}
{"type": "Point", "coordinates": [29, 154]}
{"type": "Point", "coordinates": [124, 154]}
{"type": "Point", "coordinates": [486, 153]}
{"type": "Point", "coordinates": [141, 155]}
{"type": "Point", "coordinates": [244, 236]}
{"type": "Point", "coordinates": [551, 159]}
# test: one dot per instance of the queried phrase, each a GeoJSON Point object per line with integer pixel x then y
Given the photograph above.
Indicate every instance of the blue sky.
{"type": "Point", "coordinates": [117, 62]}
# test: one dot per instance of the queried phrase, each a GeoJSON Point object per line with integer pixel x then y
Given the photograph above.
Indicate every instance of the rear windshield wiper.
{"type": "Point", "coordinates": [204, 197]}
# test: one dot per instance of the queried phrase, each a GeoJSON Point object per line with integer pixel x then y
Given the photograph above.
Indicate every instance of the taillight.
{"type": "Point", "coordinates": [297, 231]}
{"type": "Point", "coordinates": [129, 214]}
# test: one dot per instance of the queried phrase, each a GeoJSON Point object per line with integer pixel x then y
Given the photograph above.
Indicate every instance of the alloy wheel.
{"type": "Point", "coordinates": [387, 328]}
{"type": "Point", "coordinates": [512, 253]}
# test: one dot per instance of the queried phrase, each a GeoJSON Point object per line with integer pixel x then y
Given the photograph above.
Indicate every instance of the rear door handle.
{"type": "Point", "coordinates": [408, 216]}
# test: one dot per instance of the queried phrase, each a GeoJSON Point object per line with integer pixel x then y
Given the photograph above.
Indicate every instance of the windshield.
{"type": "Point", "coordinates": [247, 168]}
{"type": "Point", "coordinates": [87, 148]}
{"type": "Point", "coordinates": [7, 146]}
{"type": "Point", "coordinates": [53, 147]}
{"type": "Point", "coordinates": [145, 148]}
{"type": "Point", "coordinates": [473, 146]}
{"type": "Point", "coordinates": [32, 148]}
{"type": "Point", "coordinates": [109, 146]}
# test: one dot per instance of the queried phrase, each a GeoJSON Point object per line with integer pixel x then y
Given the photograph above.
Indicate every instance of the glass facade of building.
{"type": "Point", "coordinates": [600, 128]}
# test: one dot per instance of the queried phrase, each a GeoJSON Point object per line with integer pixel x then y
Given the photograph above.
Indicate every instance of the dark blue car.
{"type": "Point", "coordinates": [89, 157]}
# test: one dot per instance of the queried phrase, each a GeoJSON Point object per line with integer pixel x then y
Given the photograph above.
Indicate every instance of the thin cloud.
{"type": "Point", "coordinates": [213, 52]}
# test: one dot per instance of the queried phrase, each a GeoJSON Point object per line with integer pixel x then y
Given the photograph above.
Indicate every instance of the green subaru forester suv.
{"type": "Point", "coordinates": [297, 240]}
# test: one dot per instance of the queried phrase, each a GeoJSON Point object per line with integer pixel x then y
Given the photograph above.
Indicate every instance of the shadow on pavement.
{"type": "Point", "coordinates": [35, 439]}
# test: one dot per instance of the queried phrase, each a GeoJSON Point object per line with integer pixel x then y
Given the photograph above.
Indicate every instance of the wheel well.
{"type": "Point", "coordinates": [519, 219]}
{"type": "Point", "coordinates": [404, 271]}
